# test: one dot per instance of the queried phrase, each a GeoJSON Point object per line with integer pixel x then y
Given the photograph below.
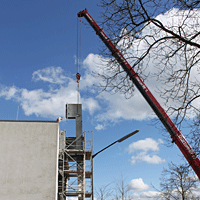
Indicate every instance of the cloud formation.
{"type": "Point", "coordinates": [104, 106]}
{"type": "Point", "coordinates": [141, 190]}
{"type": "Point", "coordinates": [145, 195]}
{"type": "Point", "coordinates": [50, 103]}
{"type": "Point", "coordinates": [137, 185]}
{"type": "Point", "coordinates": [62, 89]}
{"type": "Point", "coordinates": [50, 74]}
{"type": "Point", "coordinates": [145, 151]}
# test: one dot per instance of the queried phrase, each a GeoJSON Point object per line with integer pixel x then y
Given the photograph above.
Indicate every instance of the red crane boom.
{"type": "Point", "coordinates": [176, 135]}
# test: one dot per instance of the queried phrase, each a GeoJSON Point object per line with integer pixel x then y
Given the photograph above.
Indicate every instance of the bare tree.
{"type": "Point", "coordinates": [117, 190]}
{"type": "Point", "coordinates": [187, 4]}
{"type": "Point", "coordinates": [122, 190]}
{"type": "Point", "coordinates": [104, 192]}
{"type": "Point", "coordinates": [159, 39]}
{"type": "Point", "coordinates": [176, 183]}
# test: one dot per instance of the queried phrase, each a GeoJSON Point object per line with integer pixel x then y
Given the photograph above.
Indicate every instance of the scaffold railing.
{"type": "Point", "coordinates": [75, 168]}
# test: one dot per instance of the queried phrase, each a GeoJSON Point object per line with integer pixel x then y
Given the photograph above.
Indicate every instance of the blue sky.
{"type": "Point", "coordinates": [38, 45]}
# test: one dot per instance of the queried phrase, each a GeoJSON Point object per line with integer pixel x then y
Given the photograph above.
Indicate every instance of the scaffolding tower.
{"type": "Point", "coordinates": [75, 175]}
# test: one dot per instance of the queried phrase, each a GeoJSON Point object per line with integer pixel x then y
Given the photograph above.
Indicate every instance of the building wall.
{"type": "Point", "coordinates": [28, 160]}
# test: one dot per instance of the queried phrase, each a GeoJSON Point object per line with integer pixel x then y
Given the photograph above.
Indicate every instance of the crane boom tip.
{"type": "Point", "coordinates": [81, 13]}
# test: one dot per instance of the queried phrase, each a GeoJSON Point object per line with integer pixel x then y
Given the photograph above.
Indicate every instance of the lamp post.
{"type": "Point", "coordinates": [119, 140]}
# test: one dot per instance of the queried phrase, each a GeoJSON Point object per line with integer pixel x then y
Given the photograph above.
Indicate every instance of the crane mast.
{"type": "Point", "coordinates": [175, 134]}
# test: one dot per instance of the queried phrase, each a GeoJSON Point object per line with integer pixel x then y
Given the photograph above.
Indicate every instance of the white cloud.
{"type": "Point", "coordinates": [137, 185]}
{"type": "Point", "coordinates": [144, 145]}
{"type": "Point", "coordinates": [99, 127]}
{"type": "Point", "coordinates": [150, 194]}
{"type": "Point", "coordinates": [49, 103]}
{"type": "Point", "coordinates": [141, 190]}
{"type": "Point", "coordinates": [117, 107]}
{"type": "Point", "coordinates": [105, 107]}
{"type": "Point", "coordinates": [41, 103]}
{"type": "Point", "coordinates": [196, 191]}
{"type": "Point", "coordinates": [154, 159]}
{"type": "Point", "coordinates": [145, 195]}
{"type": "Point", "coordinates": [50, 74]}
{"type": "Point", "coordinates": [8, 92]}
{"type": "Point", "coordinates": [145, 151]}
{"type": "Point", "coordinates": [91, 105]}
{"type": "Point", "coordinates": [144, 157]}
{"type": "Point", "coordinates": [173, 20]}
{"type": "Point", "coordinates": [90, 65]}
{"type": "Point", "coordinates": [63, 89]}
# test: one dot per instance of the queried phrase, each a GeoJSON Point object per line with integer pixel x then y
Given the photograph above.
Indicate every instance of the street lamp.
{"type": "Point", "coordinates": [120, 140]}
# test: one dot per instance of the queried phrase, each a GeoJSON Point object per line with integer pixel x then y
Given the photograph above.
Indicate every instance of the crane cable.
{"type": "Point", "coordinates": [78, 57]}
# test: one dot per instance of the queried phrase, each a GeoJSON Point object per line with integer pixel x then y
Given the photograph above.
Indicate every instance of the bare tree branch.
{"type": "Point", "coordinates": [161, 40]}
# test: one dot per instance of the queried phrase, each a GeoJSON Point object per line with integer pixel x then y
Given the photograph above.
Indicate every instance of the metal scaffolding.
{"type": "Point", "coordinates": [75, 173]}
{"type": "Point", "coordinates": [75, 177]}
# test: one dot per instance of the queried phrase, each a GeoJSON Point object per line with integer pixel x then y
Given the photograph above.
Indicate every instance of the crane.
{"type": "Point", "coordinates": [176, 135]}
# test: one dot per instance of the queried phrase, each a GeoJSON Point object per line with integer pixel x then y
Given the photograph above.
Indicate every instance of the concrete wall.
{"type": "Point", "coordinates": [28, 160]}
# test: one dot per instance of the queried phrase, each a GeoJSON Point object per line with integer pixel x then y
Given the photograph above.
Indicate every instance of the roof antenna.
{"type": "Point", "coordinates": [17, 113]}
